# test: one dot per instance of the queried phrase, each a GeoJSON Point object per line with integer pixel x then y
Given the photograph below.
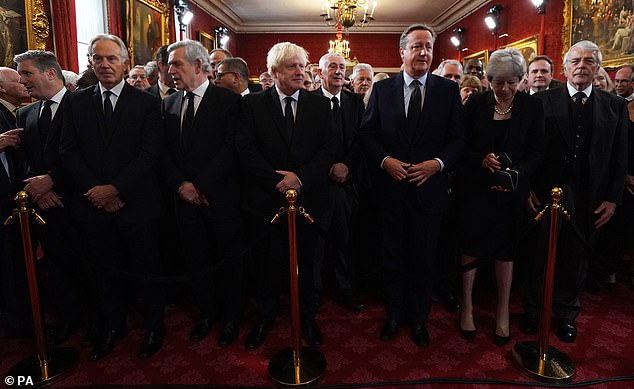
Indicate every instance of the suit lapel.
{"type": "Point", "coordinates": [123, 102]}
{"type": "Point", "coordinates": [346, 119]}
{"type": "Point", "coordinates": [275, 107]}
{"type": "Point", "coordinates": [56, 124]}
{"type": "Point", "coordinates": [559, 104]}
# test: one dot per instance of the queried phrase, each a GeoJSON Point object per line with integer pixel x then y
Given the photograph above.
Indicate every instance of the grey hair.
{"type": "Point", "coordinates": [193, 50]}
{"type": "Point", "coordinates": [441, 66]}
{"type": "Point", "coordinates": [283, 51]}
{"type": "Point", "coordinates": [151, 68]}
{"type": "Point", "coordinates": [585, 46]}
{"type": "Point", "coordinates": [70, 77]}
{"type": "Point", "coordinates": [415, 27]}
{"type": "Point", "coordinates": [236, 64]}
{"type": "Point", "coordinates": [506, 61]}
{"type": "Point", "coordinates": [361, 66]}
{"type": "Point", "coordinates": [108, 37]}
{"type": "Point", "coordinates": [43, 60]}
{"type": "Point", "coordinates": [325, 60]}
{"type": "Point", "coordinates": [227, 52]}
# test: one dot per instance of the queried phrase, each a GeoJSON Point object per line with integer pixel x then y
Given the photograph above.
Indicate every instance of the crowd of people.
{"type": "Point", "coordinates": [176, 167]}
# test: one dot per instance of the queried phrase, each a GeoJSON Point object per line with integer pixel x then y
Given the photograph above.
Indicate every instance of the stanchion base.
{"type": "Point", "coordinates": [557, 367]}
{"type": "Point", "coordinates": [61, 362]}
{"type": "Point", "coordinates": [311, 367]}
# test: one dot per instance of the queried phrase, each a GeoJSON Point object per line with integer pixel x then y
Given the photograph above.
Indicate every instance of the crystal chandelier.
{"type": "Point", "coordinates": [340, 46]}
{"type": "Point", "coordinates": [344, 12]}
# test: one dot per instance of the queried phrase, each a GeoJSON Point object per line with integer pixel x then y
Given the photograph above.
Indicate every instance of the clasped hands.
{"type": "Point", "coordinates": [492, 163]}
{"type": "Point", "coordinates": [41, 190]}
{"type": "Point", "coordinates": [414, 173]}
{"type": "Point", "coordinates": [105, 197]}
{"type": "Point", "coordinates": [189, 193]}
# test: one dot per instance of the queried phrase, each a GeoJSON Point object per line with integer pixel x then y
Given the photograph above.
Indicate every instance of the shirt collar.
{"type": "Point", "coordinates": [116, 90]}
{"type": "Point", "coordinates": [245, 92]}
{"type": "Point", "coordinates": [408, 79]}
{"type": "Point", "coordinates": [163, 88]}
{"type": "Point", "coordinates": [57, 98]}
{"type": "Point", "coordinates": [201, 89]}
{"type": "Point", "coordinates": [281, 94]}
{"type": "Point", "coordinates": [572, 90]}
{"type": "Point", "coordinates": [330, 95]}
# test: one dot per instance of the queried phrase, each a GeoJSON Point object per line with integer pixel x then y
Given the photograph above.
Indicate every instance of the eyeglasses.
{"type": "Point", "coordinates": [137, 76]}
{"type": "Point", "coordinates": [112, 59]}
{"type": "Point", "coordinates": [219, 75]}
{"type": "Point", "coordinates": [308, 83]}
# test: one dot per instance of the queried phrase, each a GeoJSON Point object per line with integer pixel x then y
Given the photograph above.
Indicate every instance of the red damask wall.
{"type": "Point", "coordinates": [203, 22]}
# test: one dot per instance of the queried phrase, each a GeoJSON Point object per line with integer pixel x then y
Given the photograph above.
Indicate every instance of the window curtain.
{"type": "Point", "coordinates": [65, 34]}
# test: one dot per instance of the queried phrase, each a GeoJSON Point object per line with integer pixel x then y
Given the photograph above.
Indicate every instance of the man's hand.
{"type": "Point", "coordinates": [605, 211]}
{"type": "Point", "coordinates": [290, 181]}
{"type": "Point", "coordinates": [629, 183]}
{"type": "Point", "coordinates": [533, 203]}
{"type": "Point", "coordinates": [339, 172]}
{"type": "Point", "coordinates": [113, 205]}
{"type": "Point", "coordinates": [38, 185]}
{"type": "Point", "coordinates": [419, 173]}
{"type": "Point", "coordinates": [395, 168]}
{"type": "Point", "coordinates": [189, 193]}
{"type": "Point", "coordinates": [49, 200]}
{"type": "Point", "coordinates": [10, 139]}
{"type": "Point", "coordinates": [491, 163]}
{"type": "Point", "coordinates": [101, 194]}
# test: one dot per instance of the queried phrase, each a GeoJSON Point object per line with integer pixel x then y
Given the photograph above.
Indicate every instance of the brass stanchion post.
{"type": "Point", "coordinates": [296, 365]}
{"type": "Point", "coordinates": [46, 367]}
{"type": "Point", "coordinates": [538, 359]}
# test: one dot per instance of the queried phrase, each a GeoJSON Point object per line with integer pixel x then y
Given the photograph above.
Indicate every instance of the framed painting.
{"type": "Point", "coordinates": [608, 23]}
{"type": "Point", "coordinates": [527, 46]}
{"type": "Point", "coordinates": [207, 40]}
{"type": "Point", "coordinates": [481, 55]}
{"type": "Point", "coordinates": [148, 29]}
{"type": "Point", "coordinates": [23, 26]}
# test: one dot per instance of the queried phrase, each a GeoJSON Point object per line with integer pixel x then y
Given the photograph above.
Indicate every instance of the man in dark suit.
{"type": "Point", "coordinates": [203, 176]}
{"type": "Point", "coordinates": [540, 75]}
{"type": "Point", "coordinates": [414, 150]}
{"type": "Point", "coordinates": [285, 140]}
{"type": "Point", "coordinates": [165, 85]}
{"type": "Point", "coordinates": [49, 184]}
{"type": "Point", "coordinates": [13, 291]}
{"type": "Point", "coordinates": [111, 143]}
{"type": "Point", "coordinates": [586, 156]}
{"type": "Point", "coordinates": [347, 109]}
{"type": "Point", "coordinates": [233, 74]}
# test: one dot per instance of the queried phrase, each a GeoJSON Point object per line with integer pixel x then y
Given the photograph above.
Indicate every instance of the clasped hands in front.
{"type": "Point", "coordinates": [414, 173]}
{"type": "Point", "coordinates": [105, 197]}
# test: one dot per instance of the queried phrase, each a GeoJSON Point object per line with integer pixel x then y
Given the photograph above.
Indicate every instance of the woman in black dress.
{"type": "Point", "coordinates": [505, 130]}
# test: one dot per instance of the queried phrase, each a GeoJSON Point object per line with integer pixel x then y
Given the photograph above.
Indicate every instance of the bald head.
{"type": "Point", "coordinates": [10, 88]}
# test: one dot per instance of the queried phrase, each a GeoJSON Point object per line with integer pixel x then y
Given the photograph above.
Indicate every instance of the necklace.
{"type": "Point", "coordinates": [505, 112]}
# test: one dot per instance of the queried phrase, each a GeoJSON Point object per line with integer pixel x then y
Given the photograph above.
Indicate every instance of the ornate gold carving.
{"type": "Point", "coordinates": [38, 26]}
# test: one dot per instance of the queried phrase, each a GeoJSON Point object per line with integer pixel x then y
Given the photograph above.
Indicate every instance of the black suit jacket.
{"type": "Point", "coordinates": [607, 151]}
{"type": "Point", "coordinates": [154, 90]}
{"type": "Point", "coordinates": [44, 159]}
{"type": "Point", "coordinates": [440, 134]}
{"type": "Point", "coordinates": [208, 160]}
{"type": "Point", "coordinates": [124, 155]}
{"type": "Point", "coordinates": [263, 147]}
{"type": "Point", "coordinates": [253, 87]}
{"type": "Point", "coordinates": [8, 187]}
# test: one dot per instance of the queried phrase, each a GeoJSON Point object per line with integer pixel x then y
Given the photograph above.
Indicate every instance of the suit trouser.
{"type": "Point", "coordinates": [208, 240]}
{"type": "Point", "coordinates": [271, 257]}
{"type": "Point", "coordinates": [112, 243]}
{"type": "Point", "coordinates": [13, 277]}
{"type": "Point", "coordinates": [410, 239]}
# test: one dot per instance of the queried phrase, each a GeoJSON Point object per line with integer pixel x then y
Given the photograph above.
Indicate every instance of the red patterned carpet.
{"type": "Point", "coordinates": [356, 358]}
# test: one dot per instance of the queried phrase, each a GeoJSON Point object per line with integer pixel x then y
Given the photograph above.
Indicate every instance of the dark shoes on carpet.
{"type": "Point", "coordinates": [389, 330]}
{"type": "Point", "coordinates": [500, 340]}
{"type": "Point", "coordinates": [203, 328]}
{"type": "Point", "coordinates": [105, 343]}
{"type": "Point", "coordinates": [257, 336]}
{"type": "Point", "coordinates": [312, 334]}
{"type": "Point", "coordinates": [450, 301]}
{"type": "Point", "coordinates": [351, 302]}
{"type": "Point", "coordinates": [59, 335]}
{"type": "Point", "coordinates": [229, 333]}
{"type": "Point", "coordinates": [566, 330]}
{"type": "Point", "coordinates": [420, 336]}
{"type": "Point", "coordinates": [152, 343]}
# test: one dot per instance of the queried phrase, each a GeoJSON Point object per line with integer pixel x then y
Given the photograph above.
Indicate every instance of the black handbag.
{"type": "Point", "coordinates": [506, 179]}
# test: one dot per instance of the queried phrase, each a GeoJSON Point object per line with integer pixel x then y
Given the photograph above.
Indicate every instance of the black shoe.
{"type": "Point", "coordinates": [450, 302]}
{"type": "Point", "coordinates": [312, 334]}
{"type": "Point", "coordinates": [389, 330]}
{"type": "Point", "coordinates": [59, 335]}
{"type": "Point", "coordinates": [152, 343]}
{"type": "Point", "coordinates": [567, 330]}
{"type": "Point", "coordinates": [351, 302]}
{"type": "Point", "coordinates": [528, 323]}
{"type": "Point", "coordinates": [91, 337]}
{"type": "Point", "coordinates": [500, 341]}
{"type": "Point", "coordinates": [229, 333]}
{"type": "Point", "coordinates": [106, 343]}
{"type": "Point", "coordinates": [202, 329]}
{"type": "Point", "coordinates": [420, 336]}
{"type": "Point", "coordinates": [257, 336]}
{"type": "Point", "coordinates": [468, 334]}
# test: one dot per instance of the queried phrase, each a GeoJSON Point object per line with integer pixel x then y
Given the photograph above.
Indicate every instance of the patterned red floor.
{"type": "Point", "coordinates": [355, 356]}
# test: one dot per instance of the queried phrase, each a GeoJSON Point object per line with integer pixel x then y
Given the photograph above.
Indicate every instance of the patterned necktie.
{"type": "Point", "coordinates": [44, 122]}
{"type": "Point", "coordinates": [413, 109]}
{"type": "Point", "coordinates": [288, 116]}
{"type": "Point", "coordinates": [188, 120]}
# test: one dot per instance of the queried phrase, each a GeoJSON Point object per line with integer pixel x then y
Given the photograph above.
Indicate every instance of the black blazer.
{"type": "Point", "coordinates": [524, 146]}
{"type": "Point", "coordinates": [154, 90]}
{"type": "Point", "coordinates": [208, 160]}
{"type": "Point", "coordinates": [124, 155]}
{"type": "Point", "coordinates": [8, 187]}
{"type": "Point", "coordinates": [440, 134]}
{"type": "Point", "coordinates": [607, 151]}
{"type": "Point", "coordinates": [45, 159]}
{"type": "Point", "coordinates": [263, 147]}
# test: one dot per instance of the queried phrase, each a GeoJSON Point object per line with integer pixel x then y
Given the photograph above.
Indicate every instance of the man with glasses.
{"type": "Point", "coordinates": [138, 78]}
{"type": "Point", "coordinates": [215, 57]}
{"type": "Point", "coordinates": [233, 74]}
{"type": "Point", "coordinates": [111, 146]}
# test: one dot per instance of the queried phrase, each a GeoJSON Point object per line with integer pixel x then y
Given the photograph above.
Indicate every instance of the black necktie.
{"type": "Point", "coordinates": [188, 120]}
{"type": "Point", "coordinates": [44, 122]}
{"type": "Point", "coordinates": [413, 109]}
{"type": "Point", "coordinates": [107, 108]}
{"type": "Point", "coordinates": [288, 116]}
{"type": "Point", "coordinates": [336, 112]}
{"type": "Point", "coordinates": [171, 91]}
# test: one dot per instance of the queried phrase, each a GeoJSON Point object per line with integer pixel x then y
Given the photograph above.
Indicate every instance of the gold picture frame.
{"type": "Point", "coordinates": [529, 47]}
{"type": "Point", "coordinates": [482, 55]}
{"type": "Point", "coordinates": [148, 28]}
{"type": "Point", "coordinates": [207, 40]}
{"type": "Point", "coordinates": [584, 21]}
{"type": "Point", "coordinates": [23, 26]}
